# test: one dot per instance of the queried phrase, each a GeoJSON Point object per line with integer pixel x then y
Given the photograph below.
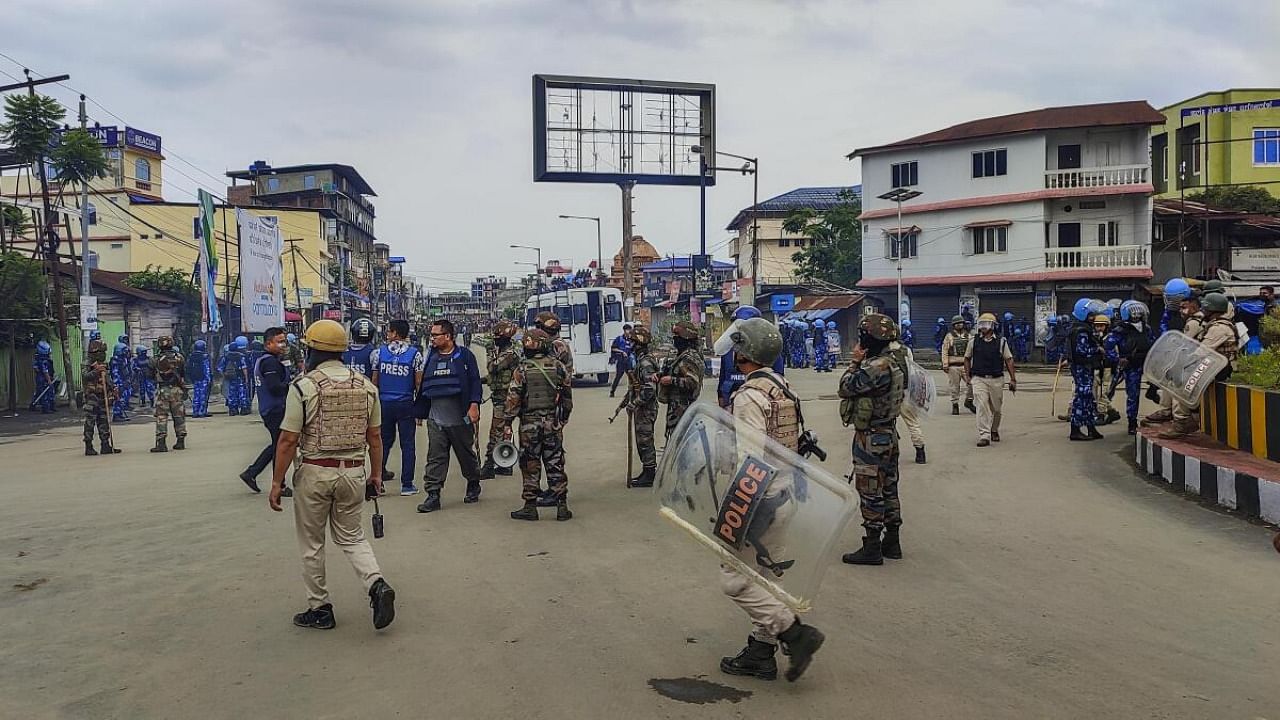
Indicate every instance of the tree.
{"type": "Point", "coordinates": [1242, 198]}
{"type": "Point", "coordinates": [833, 252]}
{"type": "Point", "coordinates": [22, 285]}
{"type": "Point", "coordinates": [78, 158]}
{"type": "Point", "coordinates": [30, 123]}
{"type": "Point", "coordinates": [176, 283]}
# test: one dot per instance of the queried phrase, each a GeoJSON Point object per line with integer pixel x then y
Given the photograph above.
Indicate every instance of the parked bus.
{"type": "Point", "coordinates": [590, 318]}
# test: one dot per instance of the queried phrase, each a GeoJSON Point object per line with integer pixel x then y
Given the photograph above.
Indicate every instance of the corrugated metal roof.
{"type": "Point", "coordinates": [805, 198]}
{"type": "Point", "coordinates": [828, 302]}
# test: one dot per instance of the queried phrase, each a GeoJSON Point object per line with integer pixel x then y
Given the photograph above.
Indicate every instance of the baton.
{"type": "Point", "coordinates": [1053, 396]}
{"type": "Point", "coordinates": [630, 448]}
{"type": "Point", "coordinates": [36, 400]}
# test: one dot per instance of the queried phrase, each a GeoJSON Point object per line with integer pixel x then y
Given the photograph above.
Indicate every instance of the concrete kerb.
{"type": "Point", "coordinates": [1199, 466]}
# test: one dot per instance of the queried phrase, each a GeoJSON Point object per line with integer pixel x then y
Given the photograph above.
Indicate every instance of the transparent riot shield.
{"type": "Point", "coordinates": [922, 391]}
{"type": "Point", "coordinates": [1182, 366]}
{"type": "Point", "coordinates": [760, 508]}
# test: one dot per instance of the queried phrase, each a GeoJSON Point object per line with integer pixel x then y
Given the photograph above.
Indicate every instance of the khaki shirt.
{"type": "Point", "coordinates": [1221, 337]}
{"type": "Point", "coordinates": [301, 404]}
{"type": "Point", "coordinates": [948, 345]}
{"type": "Point", "coordinates": [751, 410]}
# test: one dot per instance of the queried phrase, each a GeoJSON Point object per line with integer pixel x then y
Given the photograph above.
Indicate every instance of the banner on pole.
{"type": "Point", "coordinates": [88, 312]}
{"type": "Point", "coordinates": [261, 291]}
{"type": "Point", "coordinates": [210, 321]}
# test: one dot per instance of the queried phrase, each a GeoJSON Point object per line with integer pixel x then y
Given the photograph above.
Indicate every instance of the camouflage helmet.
{"type": "Point", "coordinates": [757, 339]}
{"type": "Point", "coordinates": [684, 330]}
{"type": "Point", "coordinates": [537, 341]}
{"type": "Point", "coordinates": [97, 351]}
{"type": "Point", "coordinates": [164, 342]}
{"type": "Point", "coordinates": [878, 327]}
{"type": "Point", "coordinates": [1213, 287]}
{"type": "Point", "coordinates": [504, 329]}
{"type": "Point", "coordinates": [958, 320]}
{"type": "Point", "coordinates": [548, 322]}
{"type": "Point", "coordinates": [1215, 302]}
{"type": "Point", "coordinates": [640, 335]}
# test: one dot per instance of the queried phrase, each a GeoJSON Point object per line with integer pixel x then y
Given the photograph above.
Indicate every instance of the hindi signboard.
{"type": "Point", "coordinates": [262, 297]}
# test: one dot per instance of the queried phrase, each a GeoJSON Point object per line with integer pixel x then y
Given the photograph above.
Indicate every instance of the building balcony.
{"type": "Point", "coordinates": [1117, 176]}
{"type": "Point", "coordinates": [1106, 257]}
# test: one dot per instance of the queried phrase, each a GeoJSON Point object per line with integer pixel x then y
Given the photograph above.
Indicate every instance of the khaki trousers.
{"type": "Point", "coordinates": [911, 419]}
{"type": "Point", "coordinates": [988, 394]}
{"type": "Point", "coordinates": [333, 497]}
{"type": "Point", "coordinates": [1100, 391]}
{"type": "Point", "coordinates": [769, 616]}
{"type": "Point", "coordinates": [955, 374]}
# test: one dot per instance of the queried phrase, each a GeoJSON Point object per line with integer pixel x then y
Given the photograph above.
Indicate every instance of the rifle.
{"type": "Point", "coordinates": [626, 399]}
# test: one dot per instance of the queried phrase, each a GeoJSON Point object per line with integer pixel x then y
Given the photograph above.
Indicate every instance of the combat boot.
{"type": "Point", "coordinates": [891, 546]}
{"type": "Point", "coordinates": [869, 554]}
{"type": "Point", "coordinates": [920, 458]}
{"type": "Point", "coordinates": [473, 492]}
{"type": "Point", "coordinates": [562, 511]}
{"type": "Point", "coordinates": [800, 643]}
{"type": "Point", "coordinates": [968, 404]}
{"type": "Point", "coordinates": [1077, 435]}
{"type": "Point", "coordinates": [1094, 434]}
{"type": "Point", "coordinates": [181, 444]}
{"type": "Point", "coordinates": [756, 660]}
{"type": "Point", "coordinates": [432, 503]}
{"type": "Point", "coordinates": [955, 409]}
{"type": "Point", "coordinates": [1112, 415]}
{"type": "Point", "coordinates": [488, 471]}
{"type": "Point", "coordinates": [88, 449]}
{"type": "Point", "coordinates": [643, 480]}
{"type": "Point", "coordinates": [528, 512]}
{"type": "Point", "coordinates": [109, 449]}
{"type": "Point", "coordinates": [160, 445]}
{"type": "Point", "coordinates": [1159, 416]}
{"type": "Point", "coordinates": [1133, 427]}
{"type": "Point", "coordinates": [506, 472]}
{"type": "Point", "coordinates": [546, 499]}
{"type": "Point", "coordinates": [1179, 428]}
{"type": "Point", "coordinates": [388, 476]}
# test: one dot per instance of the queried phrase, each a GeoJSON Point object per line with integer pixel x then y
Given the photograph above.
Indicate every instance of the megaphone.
{"type": "Point", "coordinates": [506, 455]}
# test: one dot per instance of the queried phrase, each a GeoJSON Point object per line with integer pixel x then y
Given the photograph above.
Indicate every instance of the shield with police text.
{"type": "Point", "coordinates": [1182, 366]}
{"type": "Point", "coordinates": [922, 391]}
{"type": "Point", "coordinates": [759, 507]}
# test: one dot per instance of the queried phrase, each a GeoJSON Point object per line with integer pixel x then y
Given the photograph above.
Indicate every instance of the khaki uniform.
{"type": "Point", "coordinates": [331, 428]}
{"type": "Point", "coordinates": [1191, 328]}
{"type": "Point", "coordinates": [954, 346]}
{"type": "Point", "coordinates": [1218, 335]}
{"type": "Point", "coordinates": [907, 413]}
{"type": "Point", "coordinates": [988, 393]}
{"type": "Point", "coordinates": [762, 406]}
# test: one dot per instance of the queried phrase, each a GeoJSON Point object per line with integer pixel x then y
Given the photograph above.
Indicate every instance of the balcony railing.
{"type": "Point", "coordinates": [1108, 256]}
{"type": "Point", "coordinates": [1110, 176]}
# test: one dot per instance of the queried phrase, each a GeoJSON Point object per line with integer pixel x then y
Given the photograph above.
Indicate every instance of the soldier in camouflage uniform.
{"type": "Point", "coordinates": [502, 360]}
{"type": "Point", "coordinates": [549, 323]}
{"type": "Point", "coordinates": [293, 355]}
{"type": "Point", "coordinates": [679, 387]}
{"type": "Point", "coordinates": [541, 396]}
{"type": "Point", "coordinates": [99, 393]}
{"type": "Point", "coordinates": [871, 391]}
{"type": "Point", "coordinates": [642, 403]}
{"type": "Point", "coordinates": [170, 370]}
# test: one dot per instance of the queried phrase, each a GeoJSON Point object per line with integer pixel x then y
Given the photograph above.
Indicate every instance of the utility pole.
{"type": "Point", "coordinates": [86, 287]}
{"type": "Point", "coordinates": [297, 291]}
{"type": "Point", "coordinates": [226, 276]}
{"type": "Point", "coordinates": [628, 301]}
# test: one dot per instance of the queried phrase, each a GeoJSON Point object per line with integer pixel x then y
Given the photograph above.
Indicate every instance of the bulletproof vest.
{"type": "Point", "coordinates": [1229, 352]}
{"type": "Point", "coordinates": [959, 344]}
{"type": "Point", "coordinates": [198, 359]}
{"type": "Point", "coordinates": [441, 378]}
{"type": "Point", "coordinates": [988, 358]}
{"type": "Point", "coordinates": [1193, 324]}
{"type": "Point", "coordinates": [232, 366]}
{"type": "Point", "coordinates": [1077, 358]}
{"type": "Point", "coordinates": [541, 388]}
{"type": "Point", "coordinates": [730, 378]}
{"type": "Point", "coordinates": [688, 356]}
{"type": "Point", "coordinates": [782, 423]}
{"type": "Point", "coordinates": [500, 379]}
{"type": "Point", "coordinates": [341, 414]}
{"type": "Point", "coordinates": [395, 373]}
{"type": "Point", "coordinates": [169, 368]}
{"type": "Point", "coordinates": [1135, 343]}
{"type": "Point", "coordinates": [359, 358]}
{"type": "Point", "coordinates": [878, 411]}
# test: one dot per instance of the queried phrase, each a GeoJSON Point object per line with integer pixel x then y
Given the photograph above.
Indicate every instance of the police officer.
{"type": "Point", "coordinates": [1127, 346]}
{"type": "Point", "coordinates": [1176, 291]}
{"type": "Point", "coordinates": [169, 368]}
{"type": "Point", "coordinates": [359, 354]}
{"type": "Point", "coordinates": [954, 347]}
{"type": "Point", "coordinates": [234, 368]}
{"type": "Point", "coordinates": [679, 388]}
{"type": "Point", "coordinates": [541, 395]}
{"type": "Point", "coordinates": [293, 355]}
{"type": "Point", "coordinates": [766, 403]}
{"type": "Point", "coordinates": [502, 360]}
{"type": "Point", "coordinates": [397, 373]}
{"type": "Point", "coordinates": [985, 362]}
{"type": "Point", "coordinates": [144, 376]}
{"type": "Point", "coordinates": [120, 372]}
{"type": "Point", "coordinates": [1216, 332]}
{"type": "Point", "coordinates": [871, 391]}
{"type": "Point", "coordinates": [730, 378]}
{"type": "Point", "coordinates": [642, 403]}
{"type": "Point", "coordinates": [820, 346]}
{"type": "Point", "coordinates": [98, 392]}
{"type": "Point", "coordinates": [903, 357]}
{"type": "Point", "coordinates": [331, 417]}
{"type": "Point", "coordinates": [908, 338]}
{"type": "Point", "coordinates": [42, 367]}
{"type": "Point", "coordinates": [271, 376]}
{"type": "Point", "coordinates": [1102, 324]}
{"type": "Point", "coordinates": [1085, 355]}
{"type": "Point", "coordinates": [450, 402]}
{"type": "Point", "coordinates": [620, 357]}
{"type": "Point", "coordinates": [200, 373]}
{"type": "Point", "coordinates": [125, 384]}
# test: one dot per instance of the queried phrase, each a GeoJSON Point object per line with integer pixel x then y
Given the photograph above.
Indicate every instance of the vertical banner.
{"type": "Point", "coordinates": [210, 321]}
{"type": "Point", "coordinates": [1044, 310]}
{"type": "Point", "coordinates": [88, 312]}
{"type": "Point", "coordinates": [261, 291]}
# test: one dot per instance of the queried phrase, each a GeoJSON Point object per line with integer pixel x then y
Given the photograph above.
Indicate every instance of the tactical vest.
{"type": "Point", "coordinates": [500, 378]}
{"type": "Point", "coordinates": [987, 359]}
{"type": "Point", "coordinates": [341, 414]}
{"type": "Point", "coordinates": [959, 344]}
{"type": "Point", "coordinates": [541, 388]}
{"type": "Point", "coordinates": [441, 378]}
{"type": "Point", "coordinates": [782, 422]}
{"type": "Point", "coordinates": [1229, 352]}
{"type": "Point", "coordinates": [730, 377]}
{"type": "Point", "coordinates": [395, 374]}
{"type": "Point", "coordinates": [169, 368]}
{"type": "Point", "coordinates": [667, 393]}
{"type": "Point", "coordinates": [1134, 344]}
{"type": "Point", "coordinates": [359, 358]}
{"type": "Point", "coordinates": [198, 360]}
{"type": "Point", "coordinates": [232, 360]}
{"type": "Point", "coordinates": [880, 411]}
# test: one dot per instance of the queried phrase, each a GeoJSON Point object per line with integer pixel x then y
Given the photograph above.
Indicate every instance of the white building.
{"type": "Point", "coordinates": [1021, 213]}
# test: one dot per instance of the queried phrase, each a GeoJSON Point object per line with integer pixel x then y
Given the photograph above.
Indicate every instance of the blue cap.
{"type": "Point", "coordinates": [819, 324]}
{"type": "Point", "coordinates": [200, 345]}
{"type": "Point", "coordinates": [291, 337]}
{"type": "Point", "coordinates": [120, 349]}
{"type": "Point", "coordinates": [43, 348]}
{"type": "Point", "coordinates": [1177, 288]}
{"type": "Point", "coordinates": [746, 312]}
{"type": "Point", "coordinates": [1008, 316]}
{"type": "Point", "coordinates": [242, 342]}
{"type": "Point", "coordinates": [906, 323]}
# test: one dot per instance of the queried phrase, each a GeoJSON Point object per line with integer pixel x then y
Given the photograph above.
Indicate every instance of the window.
{"type": "Point", "coordinates": [143, 237]}
{"type": "Point", "coordinates": [905, 243]}
{"type": "Point", "coordinates": [989, 163]}
{"type": "Point", "coordinates": [117, 246]}
{"type": "Point", "coordinates": [612, 310]}
{"type": "Point", "coordinates": [309, 182]}
{"type": "Point", "coordinates": [1266, 146]}
{"type": "Point", "coordinates": [990, 240]}
{"type": "Point", "coordinates": [784, 242]}
{"type": "Point", "coordinates": [905, 174]}
{"type": "Point", "coordinates": [142, 174]}
{"type": "Point", "coordinates": [798, 242]}
{"type": "Point", "coordinates": [1108, 233]}
{"type": "Point", "coordinates": [1093, 204]}
{"type": "Point", "coordinates": [273, 184]}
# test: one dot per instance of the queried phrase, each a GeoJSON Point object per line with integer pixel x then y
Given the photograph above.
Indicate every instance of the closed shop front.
{"type": "Point", "coordinates": [929, 304]}
{"type": "Point", "coordinates": [1000, 299]}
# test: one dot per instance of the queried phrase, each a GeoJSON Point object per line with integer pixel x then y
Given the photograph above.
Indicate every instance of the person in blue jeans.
{"type": "Point", "coordinates": [397, 372]}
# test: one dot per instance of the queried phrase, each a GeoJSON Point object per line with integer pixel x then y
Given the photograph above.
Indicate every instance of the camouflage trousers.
{"type": "Point", "coordinates": [875, 477]}
{"type": "Point", "coordinates": [169, 402]}
{"type": "Point", "coordinates": [675, 411]}
{"type": "Point", "coordinates": [542, 445]}
{"type": "Point", "coordinates": [95, 415]}
{"type": "Point", "coordinates": [643, 420]}
{"type": "Point", "coordinates": [497, 427]}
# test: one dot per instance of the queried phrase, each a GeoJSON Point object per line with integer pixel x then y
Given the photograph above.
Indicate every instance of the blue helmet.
{"type": "Point", "coordinates": [95, 334]}
{"type": "Point", "coordinates": [1008, 317]}
{"type": "Point", "coordinates": [819, 324]}
{"type": "Point", "coordinates": [906, 323]}
{"type": "Point", "coordinates": [291, 338]}
{"type": "Point", "coordinates": [942, 321]}
{"type": "Point", "coordinates": [1085, 308]}
{"type": "Point", "coordinates": [1053, 320]}
{"type": "Point", "coordinates": [124, 339]}
{"type": "Point", "coordinates": [746, 312]}
{"type": "Point", "coordinates": [1132, 310]}
{"type": "Point", "coordinates": [1177, 288]}
{"type": "Point", "coordinates": [200, 346]}
{"type": "Point", "coordinates": [43, 348]}
{"type": "Point", "coordinates": [120, 349]}
{"type": "Point", "coordinates": [242, 342]}
{"type": "Point", "coordinates": [140, 351]}
{"type": "Point", "coordinates": [361, 330]}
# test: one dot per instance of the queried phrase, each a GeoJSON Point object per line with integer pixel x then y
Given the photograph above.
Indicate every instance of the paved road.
{"type": "Point", "coordinates": [1042, 579]}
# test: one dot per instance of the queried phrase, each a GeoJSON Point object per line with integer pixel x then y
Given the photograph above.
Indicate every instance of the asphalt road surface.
{"type": "Point", "coordinates": [1042, 579]}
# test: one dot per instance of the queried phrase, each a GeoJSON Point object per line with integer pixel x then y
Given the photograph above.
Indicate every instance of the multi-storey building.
{"type": "Point", "coordinates": [1022, 213]}
{"type": "Point", "coordinates": [1218, 139]}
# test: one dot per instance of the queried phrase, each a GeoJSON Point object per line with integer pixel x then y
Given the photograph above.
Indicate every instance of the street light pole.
{"type": "Point", "coordinates": [753, 167]}
{"type": "Point", "coordinates": [898, 195]}
{"type": "Point", "coordinates": [539, 273]}
{"type": "Point", "coordinates": [599, 245]}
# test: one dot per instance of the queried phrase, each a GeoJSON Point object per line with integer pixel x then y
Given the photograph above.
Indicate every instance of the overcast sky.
{"type": "Point", "coordinates": [430, 99]}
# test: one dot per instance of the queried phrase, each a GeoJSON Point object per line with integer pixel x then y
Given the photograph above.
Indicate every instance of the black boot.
{"type": "Point", "coordinates": [1094, 434]}
{"type": "Point", "coordinates": [160, 446]}
{"type": "Point", "coordinates": [800, 643]}
{"type": "Point", "coordinates": [506, 472]}
{"type": "Point", "coordinates": [473, 492]}
{"type": "Point", "coordinates": [643, 480]}
{"type": "Point", "coordinates": [88, 449]}
{"type": "Point", "coordinates": [970, 406]}
{"type": "Point", "coordinates": [869, 554]}
{"type": "Point", "coordinates": [528, 512]}
{"type": "Point", "coordinates": [383, 601]}
{"type": "Point", "coordinates": [546, 499]}
{"type": "Point", "coordinates": [109, 449]}
{"type": "Point", "coordinates": [388, 476]}
{"type": "Point", "coordinates": [955, 409]}
{"type": "Point", "coordinates": [755, 660]}
{"type": "Point", "coordinates": [1133, 427]}
{"type": "Point", "coordinates": [1112, 415]}
{"type": "Point", "coordinates": [320, 618]}
{"type": "Point", "coordinates": [891, 546]}
{"type": "Point", "coordinates": [1076, 434]}
{"type": "Point", "coordinates": [181, 444]}
{"type": "Point", "coordinates": [920, 459]}
{"type": "Point", "coordinates": [432, 503]}
{"type": "Point", "coordinates": [562, 511]}
{"type": "Point", "coordinates": [247, 478]}
{"type": "Point", "coordinates": [488, 470]}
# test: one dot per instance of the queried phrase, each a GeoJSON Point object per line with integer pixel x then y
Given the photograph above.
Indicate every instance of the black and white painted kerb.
{"type": "Point", "coordinates": [1253, 496]}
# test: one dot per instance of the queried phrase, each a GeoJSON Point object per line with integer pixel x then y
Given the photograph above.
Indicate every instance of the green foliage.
{"type": "Point", "coordinates": [1243, 198]}
{"type": "Point", "coordinates": [30, 122]}
{"type": "Point", "coordinates": [349, 277]}
{"type": "Point", "coordinates": [1262, 370]}
{"type": "Point", "coordinates": [833, 252]}
{"type": "Point", "coordinates": [16, 220]}
{"type": "Point", "coordinates": [23, 285]}
{"type": "Point", "coordinates": [78, 158]}
{"type": "Point", "coordinates": [1269, 330]}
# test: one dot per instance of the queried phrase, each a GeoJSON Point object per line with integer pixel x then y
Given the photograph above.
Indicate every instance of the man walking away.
{"type": "Point", "coordinates": [272, 380]}
{"type": "Point", "coordinates": [397, 373]}
{"type": "Point", "coordinates": [450, 402]}
{"type": "Point", "coordinates": [985, 362]}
